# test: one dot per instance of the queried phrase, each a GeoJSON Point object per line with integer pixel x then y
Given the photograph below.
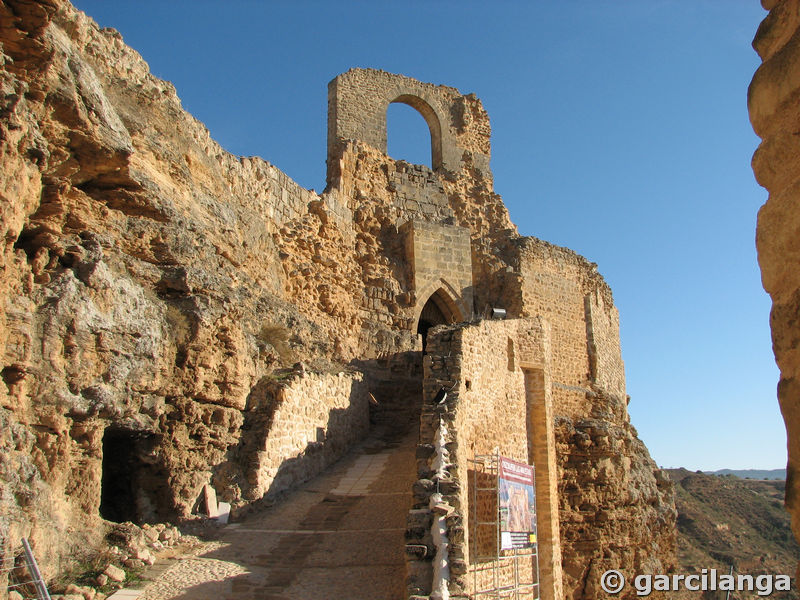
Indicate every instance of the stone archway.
{"type": "Point", "coordinates": [357, 103]}
{"type": "Point", "coordinates": [431, 118]}
{"type": "Point", "coordinates": [439, 309]}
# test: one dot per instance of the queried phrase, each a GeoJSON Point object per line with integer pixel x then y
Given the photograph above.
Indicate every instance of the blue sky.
{"type": "Point", "coordinates": [620, 130]}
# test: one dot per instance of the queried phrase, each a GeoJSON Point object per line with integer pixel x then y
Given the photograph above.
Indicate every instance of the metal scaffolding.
{"type": "Point", "coordinates": [496, 572]}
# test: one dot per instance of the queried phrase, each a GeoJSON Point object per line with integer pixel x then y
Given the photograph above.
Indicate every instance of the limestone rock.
{"type": "Point", "coordinates": [776, 163]}
{"type": "Point", "coordinates": [114, 573]}
{"type": "Point", "coordinates": [133, 563]}
{"type": "Point", "coordinates": [86, 593]}
{"type": "Point", "coordinates": [145, 556]}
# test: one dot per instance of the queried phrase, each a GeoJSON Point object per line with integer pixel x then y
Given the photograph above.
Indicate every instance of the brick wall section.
{"type": "Point", "coordinates": [773, 103]}
{"type": "Point", "coordinates": [542, 453]}
{"type": "Point", "coordinates": [419, 193]}
{"type": "Point", "coordinates": [487, 408]}
{"type": "Point", "coordinates": [276, 195]}
{"type": "Point", "coordinates": [606, 368]}
{"type": "Point", "coordinates": [298, 427]}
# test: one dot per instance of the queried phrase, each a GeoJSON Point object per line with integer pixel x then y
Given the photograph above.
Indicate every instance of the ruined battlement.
{"type": "Point", "coordinates": [459, 125]}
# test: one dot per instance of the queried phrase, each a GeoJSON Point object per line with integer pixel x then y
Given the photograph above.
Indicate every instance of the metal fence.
{"type": "Point", "coordinates": [22, 574]}
{"type": "Point", "coordinates": [497, 573]}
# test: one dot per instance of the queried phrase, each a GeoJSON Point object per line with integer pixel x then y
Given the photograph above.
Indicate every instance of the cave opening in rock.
{"type": "Point", "coordinates": [129, 489]}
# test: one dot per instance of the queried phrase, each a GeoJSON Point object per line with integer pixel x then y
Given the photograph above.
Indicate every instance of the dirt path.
{"type": "Point", "coordinates": [341, 535]}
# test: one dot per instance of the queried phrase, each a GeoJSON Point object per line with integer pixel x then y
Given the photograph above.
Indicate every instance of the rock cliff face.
{"type": "Point", "coordinates": [772, 101]}
{"type": "Point", "coordinates": [143, 287]}
{"type": "Point", "coordinates": [616, 506]}
{"type": "Point", "coordinates": [158, 293]}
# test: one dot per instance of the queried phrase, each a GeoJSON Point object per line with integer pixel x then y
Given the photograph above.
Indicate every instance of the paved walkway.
{"type": "Point", "coordinates": [341, 535]}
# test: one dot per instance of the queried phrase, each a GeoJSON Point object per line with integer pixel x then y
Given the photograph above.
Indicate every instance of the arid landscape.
{"type": "Point", "coordinates": [726, 521]}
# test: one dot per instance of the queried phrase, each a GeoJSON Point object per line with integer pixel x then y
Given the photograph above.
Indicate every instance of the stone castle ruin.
{"type": "Point", "coordinates": [173, 316]}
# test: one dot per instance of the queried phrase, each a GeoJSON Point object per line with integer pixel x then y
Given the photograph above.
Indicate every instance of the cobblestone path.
{"type": "Point", "coordinates": [341, 535]}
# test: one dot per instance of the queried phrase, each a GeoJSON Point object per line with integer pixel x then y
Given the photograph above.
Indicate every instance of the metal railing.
{"type": "Point", "coordinates": [23, 575]}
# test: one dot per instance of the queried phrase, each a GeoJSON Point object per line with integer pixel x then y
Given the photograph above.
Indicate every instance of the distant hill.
{"type": "Point", "coordinates": [724, 521]}
{"type": "Point", "coordinates": [751, 473]}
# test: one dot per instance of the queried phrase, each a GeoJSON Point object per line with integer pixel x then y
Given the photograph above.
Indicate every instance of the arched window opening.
{"type": "Point", "coordinates": [407, 135]}
{"type": "Point", "coordinates": [438, 310]}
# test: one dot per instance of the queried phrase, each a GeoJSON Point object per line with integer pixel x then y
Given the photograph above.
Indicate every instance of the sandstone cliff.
{"type": "Point", "coordinates": [772, 101]}
{"type": "Point", "coordinates": [142, 283]}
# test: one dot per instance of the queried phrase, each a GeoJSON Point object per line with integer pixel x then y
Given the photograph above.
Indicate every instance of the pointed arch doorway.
{"type": "Point", "coordinates": [439, 309]}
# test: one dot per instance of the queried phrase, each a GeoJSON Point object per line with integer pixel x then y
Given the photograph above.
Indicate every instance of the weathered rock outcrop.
{"type": "Point", "coordinates": [773, 103]}
{"type": "Point", "coordinates": [143, 285]}
{"type": "Point", "coordinates": [616, 506]}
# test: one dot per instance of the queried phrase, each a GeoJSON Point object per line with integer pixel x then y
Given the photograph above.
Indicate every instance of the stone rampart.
{"type": "Point", "coordinates": [501, 397]}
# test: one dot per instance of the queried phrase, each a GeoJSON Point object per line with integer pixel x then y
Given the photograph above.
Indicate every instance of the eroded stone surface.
{"type": "Point", "coordinates": [772, 102]}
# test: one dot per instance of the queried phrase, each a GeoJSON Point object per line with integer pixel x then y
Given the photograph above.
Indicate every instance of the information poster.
{"type": "Point", "coordinates": [517, 505]}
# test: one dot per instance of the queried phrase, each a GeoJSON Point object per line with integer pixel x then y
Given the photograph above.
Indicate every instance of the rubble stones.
{"type": "Point", "coordinates": [114, 573]}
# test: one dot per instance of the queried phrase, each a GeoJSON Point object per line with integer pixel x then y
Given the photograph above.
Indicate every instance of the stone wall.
{"type": "Point", "coordinates": [440, 258]}
{"type": "Point", "coordinates": [601, 500]}
{"type": "Point", "coordinates": [295, 428]}
{"type": "Point", "coordinates": [418, 192]}
{"type": "Point", "coordinates": [485, 410]}
{"type": "Point", "coordinates": [567, 291]}
{"type": "Point", "coordinates": [772, 101]}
